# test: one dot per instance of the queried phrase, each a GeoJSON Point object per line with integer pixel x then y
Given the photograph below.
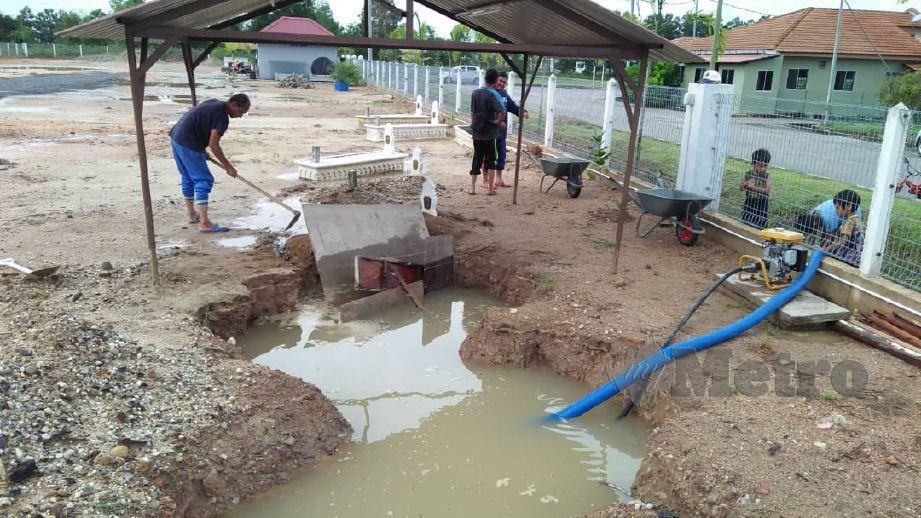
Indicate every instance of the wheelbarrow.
{"type": "Point", "coordinates": [568, 169]}
{"type": "Point", "coordinates": [680, 208]}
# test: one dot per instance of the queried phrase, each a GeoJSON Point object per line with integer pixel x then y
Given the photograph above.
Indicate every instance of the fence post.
{"type": "Point", "coordinates": [425, 90]}
{"type": "Point", "coordinates": [441, 86]}
{"type": "Point", "coordinates": [415, 81]}
{"type": "Point", "coordinates": [548, 121]}
{"type": "Point", "coordinates": [107, 50]}
{"type": "Point", "coordinates": [25, 49]}
{"type": "Point", "coordinates": [54, 49]}
{"type": "Point", "coordinates": [405, 78]}
{"type": "Point", "coordinates": [510, 87]}
{"type": "Point", "coordinates": [81, 51]}
{"type": "Point", "coordinates": [887, 173]}
{"type": "Point", "coordinates": [704, 139]}
{"type": "Point", "coordinates": [457, 92]}
{"type": "Point", "coordinates": [481, 77]}
{"type": "Point", "coordinates": [607, 125]}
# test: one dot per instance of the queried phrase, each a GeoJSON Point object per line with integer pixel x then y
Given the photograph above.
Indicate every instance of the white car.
{"type": "Point", "coordinates": [468, 74]}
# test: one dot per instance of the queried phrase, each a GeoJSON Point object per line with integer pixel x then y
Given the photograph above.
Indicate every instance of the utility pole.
{"type": "Point", "coordinates": [716, 33]}
{"type": "Point", "coordinates": [368, 7]}
{"type": "Point", "coordinates": [694, 23]}
{"type": "Point", "coordinates": [834, 62]}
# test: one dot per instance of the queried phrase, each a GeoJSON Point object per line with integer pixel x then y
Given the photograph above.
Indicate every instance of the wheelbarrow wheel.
{"type": "Point", "coordinates": [685, 236]}
{"type": "Point", "coordinates": [573, 192]}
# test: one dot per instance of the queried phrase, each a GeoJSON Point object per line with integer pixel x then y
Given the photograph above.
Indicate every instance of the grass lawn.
{"type": "Point", "coordinates": [871, 130]}
{"type": "Point", "coordinates": [794, 193]}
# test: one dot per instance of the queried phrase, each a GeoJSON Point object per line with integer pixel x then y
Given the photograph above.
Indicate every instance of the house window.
{"type": "Point", "coordinates": [796, 78]}
{"type": "Point", "coordinates": [844, 80]}
{"type": "Point", "coordinates": [765, 81]}
{"type": "Point", "coordinates": [727, 75]}
{"type": "Point", "coordinates": [698, 73]}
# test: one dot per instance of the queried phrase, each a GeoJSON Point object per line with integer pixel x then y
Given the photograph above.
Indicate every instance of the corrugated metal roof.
{"type": "Point", "coordinates": [535, 22]}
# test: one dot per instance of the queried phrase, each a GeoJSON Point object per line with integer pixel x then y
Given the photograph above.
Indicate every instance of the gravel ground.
{"type": "Point", "coordinates": [51, 83]}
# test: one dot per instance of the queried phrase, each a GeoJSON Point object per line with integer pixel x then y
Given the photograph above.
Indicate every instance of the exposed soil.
{"type": "Point", "coordinates": [205, 429]}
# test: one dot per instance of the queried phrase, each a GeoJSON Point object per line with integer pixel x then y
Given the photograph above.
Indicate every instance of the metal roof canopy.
{"type": "Point", "coordinates": [563, 28]}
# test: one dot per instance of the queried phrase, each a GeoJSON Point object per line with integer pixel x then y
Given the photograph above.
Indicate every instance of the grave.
{"type": "Point", "coordinates": [394, 118]}
{"type": "Point", "coordinates": [337, 167]}
{"type": "Point", "coordinates": [431, 130]}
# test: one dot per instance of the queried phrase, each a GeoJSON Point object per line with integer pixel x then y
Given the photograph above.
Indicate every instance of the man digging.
{"type": "Point", "coordinates": [202, 127]}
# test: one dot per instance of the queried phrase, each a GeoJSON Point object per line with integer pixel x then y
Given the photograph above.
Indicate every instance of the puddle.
{"type": "Point", "coordinates": [269, 216]}
{"type": "Point", "coordinates": [290, 177]}
{"type": "Point", "coordinates": [239, 243]}
{"type": "Point", "coordinates": [435, 437]}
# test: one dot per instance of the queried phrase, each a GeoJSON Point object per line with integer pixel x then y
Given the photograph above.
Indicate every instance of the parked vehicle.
{"type": "Point", "coordinates": [918, 142]}
{"type": "Point", "coordinates": [468, 74]}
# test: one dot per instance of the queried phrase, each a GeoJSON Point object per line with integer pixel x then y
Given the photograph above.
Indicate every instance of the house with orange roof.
{"type": "Point", "coordinates": [311, 61]}
{"type": "Point", "coordinates": [788, 57]}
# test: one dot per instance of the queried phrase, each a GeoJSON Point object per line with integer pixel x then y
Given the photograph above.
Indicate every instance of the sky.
{"type": "Point", "coordinates": [347, 11]}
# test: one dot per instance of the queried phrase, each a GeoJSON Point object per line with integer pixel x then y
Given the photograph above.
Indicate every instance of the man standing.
{"type": "Point", "coordinates": [202, 127]}
{"type": "Point", "coordinates": [487, 122]}
{"type": "Point", "coordinates": [511, 107]}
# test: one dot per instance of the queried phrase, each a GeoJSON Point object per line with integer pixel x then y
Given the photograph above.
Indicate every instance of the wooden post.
{"type": "Point", "coordinates": [137, 99]}
{"type": "Point", "coordinates": [409, 20]}
{"type": "Point", "coordinates": [189, 68]}
{"type": "Point", "coordinates": [525, 90]}
{"type": "Point", "coordinates": [633, 116]}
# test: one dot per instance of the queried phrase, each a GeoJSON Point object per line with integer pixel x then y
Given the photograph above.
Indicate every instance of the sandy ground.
{"type": "Point", "coordinates": [73, 199]}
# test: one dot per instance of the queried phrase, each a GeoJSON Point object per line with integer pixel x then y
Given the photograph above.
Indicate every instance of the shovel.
{"type": "Point", "coordinates": [265, 193]}
{"type": "Point", "coordinates": [35, 274]}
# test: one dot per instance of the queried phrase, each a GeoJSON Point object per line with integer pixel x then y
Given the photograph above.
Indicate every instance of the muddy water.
{"type": "Point", "coordinates": [433, 436]}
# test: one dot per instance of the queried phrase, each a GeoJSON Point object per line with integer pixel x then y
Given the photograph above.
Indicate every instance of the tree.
{"type": "Point", "coordinates": [7, 27]}
{"type": "Point", "coordinates": [668, 26]}
{"type": "Point", "coordinates": [459, 33]}
{"type": "Point", "coordinates": [44, 24]}
{"type": "Point", "coordinates": [121, 5]}
{"type": "Point", "coordinates": [317, 10]}
{"type": "Point", "coordinates": [904, 88]}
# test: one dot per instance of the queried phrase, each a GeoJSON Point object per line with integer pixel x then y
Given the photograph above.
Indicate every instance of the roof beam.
{"type": "Point", "coordinates": [585, 21]}
{"type": "Point", "coordinates": [573, 51]}
{"type": "Point", "coordinates": [250, 15]}
{"type": "Point", "coordinates": [133, 25]}
{"type": "Point", "coordinates": [482, 4]}
{"type": "Point", "coordinates": [473, 26]}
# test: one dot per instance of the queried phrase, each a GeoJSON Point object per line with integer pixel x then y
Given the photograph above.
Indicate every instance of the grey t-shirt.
{"type": "Point", "coordinates": [194, 128]}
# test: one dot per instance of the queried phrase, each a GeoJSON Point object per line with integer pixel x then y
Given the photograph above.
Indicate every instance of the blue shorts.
{"type": "Point", "coordinates": [193, 170]}
{"type": "Point", "coordinates": [500, 162]}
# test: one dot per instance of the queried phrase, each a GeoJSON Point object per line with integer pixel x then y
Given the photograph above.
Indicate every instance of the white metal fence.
{"type": "Point", "coordinates": [54, 50]}
{"type": "Point", "coordinates": [816, 149]}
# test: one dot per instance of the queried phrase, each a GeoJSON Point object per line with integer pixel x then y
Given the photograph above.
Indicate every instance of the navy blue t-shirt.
{"type": "Point", "coordinates": [194, 128]}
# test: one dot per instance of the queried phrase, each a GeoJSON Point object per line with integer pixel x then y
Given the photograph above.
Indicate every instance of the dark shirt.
{"type": "Point", "coordinates": [194, 128]}
{"type": "Point", "coordinates": [485, 111]}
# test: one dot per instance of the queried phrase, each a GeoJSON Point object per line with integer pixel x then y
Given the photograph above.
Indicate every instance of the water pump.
{"type": "Point", "coordinates": [782, 254]}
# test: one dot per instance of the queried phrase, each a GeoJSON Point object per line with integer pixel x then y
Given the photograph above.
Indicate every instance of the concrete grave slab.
{"type": "Point", "coordinates": [340, 232]}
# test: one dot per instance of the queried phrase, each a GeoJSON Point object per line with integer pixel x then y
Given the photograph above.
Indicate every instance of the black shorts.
{"type": "Point", "coordinates": [485, 154]}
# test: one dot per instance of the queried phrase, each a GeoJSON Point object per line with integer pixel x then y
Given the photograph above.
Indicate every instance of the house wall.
{"type": "Point", "coordinates": [291, 59]}
{"type": "Point", "coordinates": [868, 79]}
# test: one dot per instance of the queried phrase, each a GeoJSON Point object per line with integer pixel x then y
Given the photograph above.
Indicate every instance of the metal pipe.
{"type": "Point", "coordinates": [834, 61]}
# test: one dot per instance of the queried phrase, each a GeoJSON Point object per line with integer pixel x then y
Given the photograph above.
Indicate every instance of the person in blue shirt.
{"type": "Point", "coordinates": [826, 218]}
{"type": "Point", "coordinates": [510, 107]}
{"type": "Point", "coordinates": [202, 127]}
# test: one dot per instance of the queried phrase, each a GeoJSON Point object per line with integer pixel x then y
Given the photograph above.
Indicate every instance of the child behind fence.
{"type": "Point", "coordinates": [757, 187]}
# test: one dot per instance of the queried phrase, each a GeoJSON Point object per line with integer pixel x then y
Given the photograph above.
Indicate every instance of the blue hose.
{"type": "Point", "coordinates": [664, 356]}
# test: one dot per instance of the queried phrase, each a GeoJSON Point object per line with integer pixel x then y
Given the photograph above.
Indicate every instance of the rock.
{"type": "Point", "coordinates": [25, 351]}
{"type": "Point", "coordinates": [105, 274]}
{"type": "Point", "coordinates": [119, 452]}
{"type": "Point", "coordinates": [5, 371]}
{"type": "Point", "coordinates": [745, 499]}
{"type": "Point", "coordinates": [104, 459]}
{"type": "Point", "coordinates": [30, 370]}
{"type": "Point", "coordinates": [892, 461]}
{"type": "Point", "coordinates": [106, 266]}
{"type": "Point", "coordinates": [289, 441]}
{"type": "Point", "coordinates": [820, 445]}
{"type": "Point", "coordinates": [232, 341]}
{"type": "Point", "coordinates": [212, 482]}
{"type": "Point", "coordinates": [773, 447]}
{"type": "Point", "coordinates": [76, 296]}
{"type": "Point", "coordinates": [763, 489]}
{"type": "Point", "coordinates": [23, 470]}
{"type": "Point", "coordinates": [3, 440]}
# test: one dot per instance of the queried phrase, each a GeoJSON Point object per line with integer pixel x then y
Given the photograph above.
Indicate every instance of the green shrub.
{"type": "Point", "coordinates": [346, 72]}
